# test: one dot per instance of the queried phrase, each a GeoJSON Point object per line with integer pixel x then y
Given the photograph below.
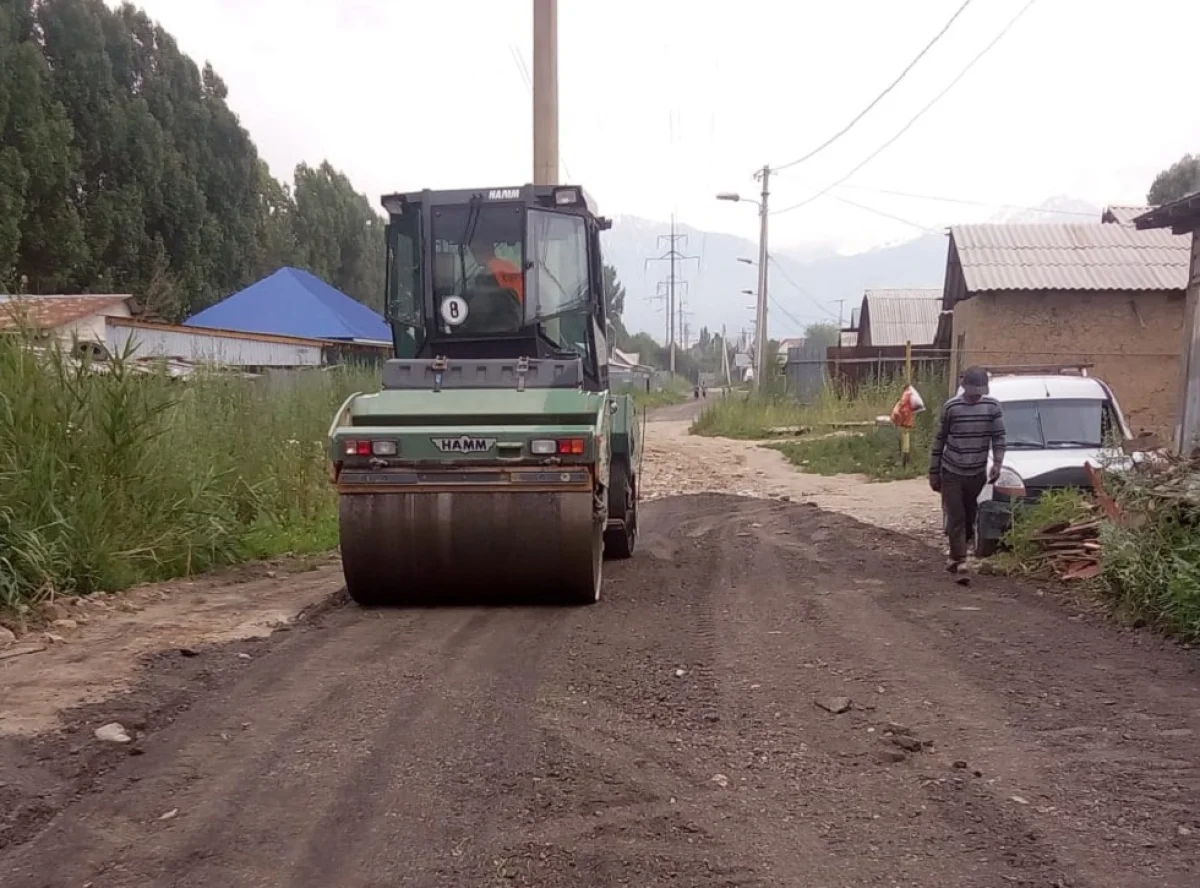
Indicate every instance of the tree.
{"type": "Point", "coordinates": [339, 234]}
{"type": "Point", "coordinates": [614, 305]}
{"type": "Point", "coordinates": [822, 335]}
{"type": "Point", "coordinates": [648, 351]}
{"type": "Point", "coordinates": [1178, 180]}
{"type": "Point", "coordinates": [123, 169]}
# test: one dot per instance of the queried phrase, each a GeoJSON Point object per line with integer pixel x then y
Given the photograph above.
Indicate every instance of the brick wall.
{"type": "Point", "coordinates": [1133, 339]}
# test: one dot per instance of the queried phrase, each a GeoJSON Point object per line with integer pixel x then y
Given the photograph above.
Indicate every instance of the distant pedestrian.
{"type": "Point", "coordinates": [972, 424]}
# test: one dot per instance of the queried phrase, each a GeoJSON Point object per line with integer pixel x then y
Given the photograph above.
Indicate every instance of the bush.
{"type": "Point", "coordinates": [111, 479]}
{"type": "Point", "coordinates": [1152, 555]}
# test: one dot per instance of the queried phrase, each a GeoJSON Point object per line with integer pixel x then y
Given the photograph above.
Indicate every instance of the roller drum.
{"type": "Point", "coordinates": [478, 547]}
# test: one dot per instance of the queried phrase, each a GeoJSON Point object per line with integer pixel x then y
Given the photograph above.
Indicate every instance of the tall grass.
{"type": "Point", "coordinates": [751, 417]}
{"type": "Point", "coordinates": [107, 480]}
{"type": "Point", "coordinates": [828, 442]}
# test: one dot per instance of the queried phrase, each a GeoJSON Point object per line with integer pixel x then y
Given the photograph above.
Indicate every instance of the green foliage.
{"type": "Point", "coordinates": [123, 169]}
{"type": "Point", "coordinates": [112, 479]}
{"type": "Point", "coordinates": [1152, 561]}
{"type": "Point", "coordinates": [873, 452]}
{"type": "Point", "coordinates": [836, 431]}
{"type": "Point", "coordinates": [751, 416]}
{"type": "Point", "coordinates": [614, 306]}
{"type": "Point", "coordinates": [1025, 554]}
{"type": "Point", "coordinates": [823, 335]}
{"type": "Point", "coordinates": [1178, 180]}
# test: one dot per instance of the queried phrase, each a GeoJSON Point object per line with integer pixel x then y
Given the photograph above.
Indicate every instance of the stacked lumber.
{"type": "Point", "coordinates": [1070, 550]}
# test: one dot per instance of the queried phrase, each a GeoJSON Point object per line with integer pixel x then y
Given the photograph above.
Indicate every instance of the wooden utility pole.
{"type": "Point", "coordinates": [545, 92]}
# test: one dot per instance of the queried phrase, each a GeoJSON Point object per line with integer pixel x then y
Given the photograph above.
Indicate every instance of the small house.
{"type": "Point", "coordinates": [1108, 295]}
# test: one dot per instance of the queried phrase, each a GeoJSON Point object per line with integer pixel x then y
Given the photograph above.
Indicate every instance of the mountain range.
{"type": "Point", "coordinates": [806, 284]}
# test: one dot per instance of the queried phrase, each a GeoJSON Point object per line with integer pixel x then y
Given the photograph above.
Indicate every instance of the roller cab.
{"type": "Point", "coordinates": [493, 463]}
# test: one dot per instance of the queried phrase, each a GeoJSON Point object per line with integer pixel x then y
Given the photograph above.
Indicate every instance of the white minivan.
{"type": "Point", "coordinates": [1056, 424]}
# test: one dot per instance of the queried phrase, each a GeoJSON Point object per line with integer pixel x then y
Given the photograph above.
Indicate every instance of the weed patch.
{"type": "Point", "coordinates": [117, 478]}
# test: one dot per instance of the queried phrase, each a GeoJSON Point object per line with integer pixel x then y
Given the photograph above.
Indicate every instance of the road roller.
{"type": "Point", "coordinates": [494, 462]}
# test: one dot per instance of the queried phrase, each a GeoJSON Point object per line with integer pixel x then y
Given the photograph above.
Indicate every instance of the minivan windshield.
{"type": "Point", "coordinates": [1056, 423]}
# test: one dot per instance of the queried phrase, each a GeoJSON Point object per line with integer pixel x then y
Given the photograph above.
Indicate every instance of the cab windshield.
{"type": "Point", "coordinates": [478, 270]}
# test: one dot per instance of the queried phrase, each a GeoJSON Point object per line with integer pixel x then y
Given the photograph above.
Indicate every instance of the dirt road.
{"type": "Point", "coordinates": [672, 735]}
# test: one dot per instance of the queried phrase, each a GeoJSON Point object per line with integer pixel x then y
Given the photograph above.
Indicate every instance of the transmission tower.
{"type": "Point", "coordinates": [672, 283]}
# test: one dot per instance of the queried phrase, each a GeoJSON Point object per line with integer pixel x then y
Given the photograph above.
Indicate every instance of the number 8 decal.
{"type": "Point", "coordinates": [454, 310]}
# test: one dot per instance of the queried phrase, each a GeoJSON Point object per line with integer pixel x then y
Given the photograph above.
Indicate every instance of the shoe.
{"type": "Point", "coordinates": [954, 566]}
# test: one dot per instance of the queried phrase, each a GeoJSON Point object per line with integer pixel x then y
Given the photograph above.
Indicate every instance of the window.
{"type": "Point", "coordinates": [558, 264]}
{"type": "Point", "coordinates": [404, 269]}
{"type": "Point", "coordinates": [1056, 423]}
{"type": "Point", "coordinates": [478, 275]}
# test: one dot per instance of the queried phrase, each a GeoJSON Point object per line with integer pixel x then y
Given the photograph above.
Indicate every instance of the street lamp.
{"type": "Point", "coordinates": [760, 343]}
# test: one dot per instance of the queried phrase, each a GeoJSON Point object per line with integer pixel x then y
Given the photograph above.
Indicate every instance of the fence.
{"type": "Point", "coordinates": [806, 370]}
{"type": "Point", "coordinates": [851, 367]}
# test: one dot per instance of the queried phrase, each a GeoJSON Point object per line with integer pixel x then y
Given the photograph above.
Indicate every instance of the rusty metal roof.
{"type": "Point", "coordinates": [900, 316]}
{"type": "Point", "coordinates": [52, 312]}
{"type": "Point", "coordinates": [1122, 215]}
{"type": "Point", "coordinates": [1069, 256]}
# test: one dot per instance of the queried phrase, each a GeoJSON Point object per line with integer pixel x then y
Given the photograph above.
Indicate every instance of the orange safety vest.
{"type": "Point", "coordinates": [508, 275]}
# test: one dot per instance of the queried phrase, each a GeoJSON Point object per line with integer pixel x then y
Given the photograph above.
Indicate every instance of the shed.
{"type": "Point", "coordinates": [1105, 294]}
{"type": "Point", "coordinates": [234, 349]}
{"type": "Point", "coordinates": [295, 303]}
{"type": "Point", "coordinates": [1183, 217]}
{"type": "Point", "coordinates": [1119, 215]}
{"type": "Point", "coordinates": [892, 318]}
{"type": "Point", "coordinates": [64, 316]}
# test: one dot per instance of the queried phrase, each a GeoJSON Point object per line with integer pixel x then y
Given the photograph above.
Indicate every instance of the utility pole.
{"type": "Point", "coordinates": [760, 309]}
{"type": "Point", "coordinates": [725, 358]}
{"type": "Point", "coordinates": [673, 284]}
{"type": "Point", "coordinates": [761, 325]}
{"type": "Point", "coordinates": [545, 92]}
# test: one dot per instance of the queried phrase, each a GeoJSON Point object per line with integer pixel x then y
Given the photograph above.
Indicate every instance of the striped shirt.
{"type": "Point", "coordinates": [966, 433]}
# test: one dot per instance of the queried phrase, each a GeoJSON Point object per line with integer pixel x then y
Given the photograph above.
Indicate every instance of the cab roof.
{"type": "Point", "coordinates": [526, 194]}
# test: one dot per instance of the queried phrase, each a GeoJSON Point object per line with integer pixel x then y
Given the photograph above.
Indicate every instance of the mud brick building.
{"type": "Point", "coordinates": [1106, 294]}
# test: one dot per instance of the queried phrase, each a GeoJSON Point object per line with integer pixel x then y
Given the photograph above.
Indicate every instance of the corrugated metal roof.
{"type": "Point", "coordinates": [1070, 256]}
{"type": "Point", "coordinates": [900, 316]}
{"type": "Point", "coordinates": [49, 312]}
{"type": "Point", "coordinates": [292, 302]}
{"type": "Point", "coordinates": [1122, 215]}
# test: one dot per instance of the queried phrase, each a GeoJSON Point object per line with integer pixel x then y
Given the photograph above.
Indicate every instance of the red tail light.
{"type": "Point", "coordinates": [572, 446]}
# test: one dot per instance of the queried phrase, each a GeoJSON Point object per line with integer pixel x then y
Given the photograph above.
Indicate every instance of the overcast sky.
{"type": "Point", "coordinates": [665, 102]}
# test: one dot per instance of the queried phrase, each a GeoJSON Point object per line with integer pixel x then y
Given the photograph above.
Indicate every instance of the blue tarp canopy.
{"type": "Point", "coordinates": [292, 302]}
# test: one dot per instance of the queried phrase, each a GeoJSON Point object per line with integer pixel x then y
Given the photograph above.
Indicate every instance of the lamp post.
{"type": "Point", "coordinates": [760, 321]}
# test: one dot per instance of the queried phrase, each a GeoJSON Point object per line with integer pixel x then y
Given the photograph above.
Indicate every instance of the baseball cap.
{"type": "Point", "coordinates": [975, 381]}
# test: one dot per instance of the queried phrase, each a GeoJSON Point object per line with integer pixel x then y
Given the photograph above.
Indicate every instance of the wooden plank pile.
{"type": "Point", "coordinates": [1070, 550]}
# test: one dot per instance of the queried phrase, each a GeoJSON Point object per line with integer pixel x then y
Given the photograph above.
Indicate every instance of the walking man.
{"type": "Point", "coordinates": [972, 424]}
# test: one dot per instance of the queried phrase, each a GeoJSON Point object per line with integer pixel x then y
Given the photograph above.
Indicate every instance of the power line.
{"type": "Point", "coordinates": [886, 215]}
{"type": "Point", "coordinates": [916, 117]}
{"type": "Point", "coordinates": [969, 203]}
{"type": "Point", "coordinates": [803, 292]}
{"type": "Point", "coordinates": [878, 98]}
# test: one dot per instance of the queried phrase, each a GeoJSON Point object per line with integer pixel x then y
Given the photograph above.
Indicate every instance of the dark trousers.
{"type": "Point", "coordinates": [960, 503]}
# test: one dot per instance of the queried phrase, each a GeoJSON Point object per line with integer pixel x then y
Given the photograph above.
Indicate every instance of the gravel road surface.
{"type": "Point", "coordinates": [769, 695]}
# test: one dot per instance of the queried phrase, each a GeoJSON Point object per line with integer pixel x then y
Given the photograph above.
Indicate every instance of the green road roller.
{"type": "Point", "coordinates": [494, 462]}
